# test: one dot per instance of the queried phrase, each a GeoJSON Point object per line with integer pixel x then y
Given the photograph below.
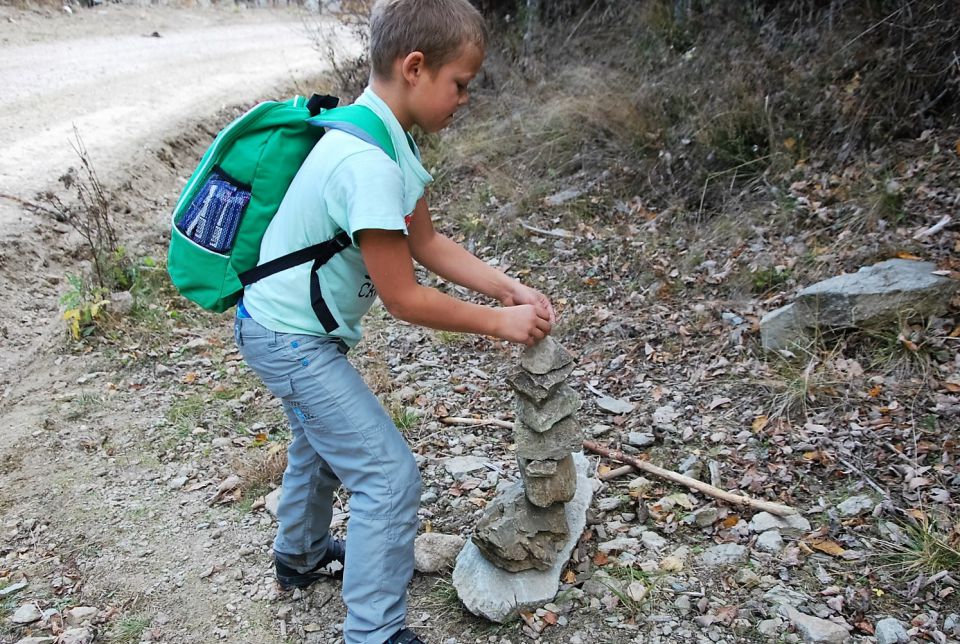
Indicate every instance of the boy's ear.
{"type": "Point", "coordinates": [412, 66]}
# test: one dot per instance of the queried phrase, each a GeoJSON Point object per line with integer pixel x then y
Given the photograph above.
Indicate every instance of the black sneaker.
{"type": "Point", "coordinates": [330, 565]}
{"type": "Point", "coordinates": [404, 636]}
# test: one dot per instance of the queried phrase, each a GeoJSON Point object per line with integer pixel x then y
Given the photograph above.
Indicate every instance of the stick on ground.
{"type": "Point", "coordinates": [734, 499]}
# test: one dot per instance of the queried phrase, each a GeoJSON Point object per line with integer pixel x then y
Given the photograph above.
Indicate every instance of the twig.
{"type": "Point", "coordinates": [934, 229]}
{"type": "Point", "coordinates": [866, 478]}
{"type": "Point", "coordinates": [620, 471]}
{"type": "Point", "coordinates": [563, 234]}
{"type": "Point", "coordinates": [577, 26]}
{"type": "Point", "coordinates": [456, 420]}
{"type": "Point", "coordinates": [616, 455]}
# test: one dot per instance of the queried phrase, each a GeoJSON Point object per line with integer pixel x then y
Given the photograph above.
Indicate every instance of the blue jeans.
{"type": "Point", "coordinates": [341, 434]}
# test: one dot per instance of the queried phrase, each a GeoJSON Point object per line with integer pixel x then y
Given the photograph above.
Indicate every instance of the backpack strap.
{"type": "Point", "coordinates": [361, 122]}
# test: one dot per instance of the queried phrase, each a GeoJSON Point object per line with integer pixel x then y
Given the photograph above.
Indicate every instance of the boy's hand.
{"type": "Point", "coordinates": [522, 323]}
{"type": "Point", "coordinates": [525, 295]}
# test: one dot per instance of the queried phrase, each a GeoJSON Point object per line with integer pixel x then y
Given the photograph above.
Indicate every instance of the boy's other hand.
{"type": "Point", "coordinates": [523, 323]}
{"type": "Point", "coordinates": [525, 295]}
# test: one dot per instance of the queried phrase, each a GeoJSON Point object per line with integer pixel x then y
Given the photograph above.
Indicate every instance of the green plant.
{"type": "Point", "coordinates": [84, 305]}
{"type": "Point", "coordinates": [405, 418]}
{"type": "Point", "coordinates": [921, 545]}
{"type": "Point", "coordinates": [128, 629]}
{"type": "Point", "coordinates": [764, 280]}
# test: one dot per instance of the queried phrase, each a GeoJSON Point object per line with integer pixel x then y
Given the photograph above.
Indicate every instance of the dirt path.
{"type": "Point", "coordinates": [124, 89]}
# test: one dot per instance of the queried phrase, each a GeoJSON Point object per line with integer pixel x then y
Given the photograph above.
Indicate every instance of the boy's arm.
{"type": "Point", "coordinates": [446, 258]}
{"type": "Point", "coordinates": [386, 255]}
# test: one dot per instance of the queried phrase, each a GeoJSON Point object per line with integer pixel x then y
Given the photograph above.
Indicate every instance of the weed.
{"type": "Point", "coordinates": [84, 306]}
{"type": "Point", "coordinates": [405, 418]}
{"type": "Point", "coordinates": [128, 630]}
{"type": "Point", "coordinates": [806, 381]}
{"type": "Point", "coordinates": [260, 473]}
{"type": "Point", "coordinates": [921, 546]}
{"type": "Point", "coordinates": [449, 337]}
{"type": "Point", "coordinates": [765, 280]}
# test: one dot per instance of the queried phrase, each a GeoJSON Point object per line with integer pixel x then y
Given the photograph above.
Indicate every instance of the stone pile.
{"type": "Point", "coordinates": [526, 534]}
{"type": "Point", "coordinates": [526, 527]}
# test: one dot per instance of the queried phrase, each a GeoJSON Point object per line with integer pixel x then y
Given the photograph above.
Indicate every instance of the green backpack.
{"type": "Point", "coordinates": [230, 199]}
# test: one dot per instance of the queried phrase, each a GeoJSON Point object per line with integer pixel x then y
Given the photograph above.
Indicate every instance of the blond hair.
{"type": "Point", "coordinates": [437, 28]}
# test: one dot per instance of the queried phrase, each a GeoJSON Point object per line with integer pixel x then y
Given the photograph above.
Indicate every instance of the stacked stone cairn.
{"type": "Point", "coordinates": [526, 526]}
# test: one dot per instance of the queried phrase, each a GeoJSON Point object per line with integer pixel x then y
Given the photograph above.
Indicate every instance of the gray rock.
{"type": "Point", "coordinates": [540, 418]}
{"type": "Point", "coordinates": [272, 501]}
{"type": "Point", "coordinates": [641, 439]}
{"type": "Point", "coordinates": [725, 554]}
{"type": "Point", "coordinates": [780, 595]}
{"type": "Point", "coordinates": [516, 535]}
{"type": "Point", "coordinates": [76, 636]}
{"type": "Point", "coordinates": [620, 544]}
{"type": "Point", "coordinates": [37, 640]}
{"type": "Point", "coordinates": [747, 578]}
{"type": "Point", "coordinates": [121, 302]}
{"type": "Point", "coordinates": [12, 588]}
{"type": "Point", "coordinates": [495, 594]}
{"type": "Point", "coordinates": [770, 628]}
{"type": "Point", "coordinates": [562, 439]}
{"type": "Point", "coordinates": [435, 552]}
{"type": "Point", "coordinates": [26, 614]}
{"type": "Point", "coordinates": [458, 466]}
{"type": "Point", "coordinates": [703, 517]}
{"type": "Point", "coordinates": [814, 630]}
{"type": "Point", "coordinates": [952, 624]}
{"type": "Point", "coordinates": [872, 297]}
{"type": "Point", "coordinates": [665, 416]}
{"type": "Point", "coordinates": [653, 541]}
{"type": "Point", "coordinates": [538, 387]}
{"type": "Point", "coordinates": [792, 526]}
{"type": "Point", "coordinates": [770, 541]}
{"type": "Point", "coordinates": [77, 615]}
{"type": "Point", "coordinates": [544, 357]}
{"type": "Point", "coordinates": [890, 631]}
{"type": "Point", "coordinates": [601, 583]}
{"type": "Point", "coordinates": [548, 482]}
{"type": "Point", "coordinates": [856, 505]}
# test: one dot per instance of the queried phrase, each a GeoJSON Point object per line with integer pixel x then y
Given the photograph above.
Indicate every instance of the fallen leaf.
{"type": "Point", "coordinates": [718, 401]}
{"type": "Point", "coordinates": [600, 559]}
{"type": "Point", "coordinates": [190, 377]}
{"type": "Point", "coordinates": [905, 255]}
{"type": "Point", "coordinates": [828, 546]}
{"type": "Point", "coordinates": [875, 391]}
{"type": "Point", "coordinates": [759, 423]}
{"type": "Point", "coordinates": [569, 577]}
{"type": "Point", "coordinates": [730, 521]}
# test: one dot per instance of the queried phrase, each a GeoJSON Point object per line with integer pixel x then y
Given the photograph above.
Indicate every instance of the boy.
{"type": "Point", "coordinates": [294, 328]}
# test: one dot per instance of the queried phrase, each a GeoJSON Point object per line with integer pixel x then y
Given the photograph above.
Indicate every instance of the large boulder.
{"type": "Point", "coordinates": [872, 297]}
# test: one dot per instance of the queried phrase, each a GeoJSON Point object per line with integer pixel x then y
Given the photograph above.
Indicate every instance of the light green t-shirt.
{"type": "Point", "coordinates": [345, 184]}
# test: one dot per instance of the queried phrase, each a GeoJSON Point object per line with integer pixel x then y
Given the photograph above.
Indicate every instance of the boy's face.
{"type": "Point", "coordinates": [441, 92]}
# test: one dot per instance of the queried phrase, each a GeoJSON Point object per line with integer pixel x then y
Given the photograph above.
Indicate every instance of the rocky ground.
{"type": "Point", "coordinates": [140, 459]}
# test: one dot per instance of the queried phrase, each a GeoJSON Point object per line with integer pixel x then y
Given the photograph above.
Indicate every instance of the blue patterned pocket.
{"type": "Point", "coordinates": [214, 214]}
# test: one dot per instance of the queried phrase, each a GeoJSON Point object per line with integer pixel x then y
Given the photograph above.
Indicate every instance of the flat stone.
{"type": "Point", "coordinates": [540, 418]}
{"type": "Point", "coordinates": [545, 356]}
{"type": "Point", "coordinates": [619, 544]}
{"type": "Point", "coordinates": [538, 387]}
{"type": "Point", "coordinates": [37, 640]}
{"type": "Point", "coordinates": [770, 541]}
{"type": "Point", "coordinates": [890, 631]}
{"type": "Point", "coordinates": [856, 505]}
{"type": "Point", "coordinates": [873, 297]}
{"type": "Point", "coordinates": [793, 525]}
{"type": "Point", "coordinates": [435, 552]}
{"type": "Point", "coordinates": [26, 614]}
{"type": "Point", "coordinates": [780, 595]}
{"type": "Point", "coordinates": [703, 517]}
{"type": "Point", "coordinates": [770, 628]}
{"type": "Point", "coordinates": [814, 630]}
{"type": "Point", "coordinates": [517, 535]}
{"type": "Point", "coordinates": [77, 615]}
{"type": "Point", "coordinates": [76, 636]}
{"type": "Point", "coordinates": [725, 554]}
{"type": "Point", "coordinates": [496, 594]}
{"type": "Point", "coordinates": [653, 541]}
{"type": "Point", "coordinates": [12, 588]}
{"type": "Point", "coordinates": [641, 439]}
{"type": "Point", "coordinates": [459, 466]}
{"type": "Point", "coordinates": [559, 441]}
{"type": "Point", "coordinates": [549, 482]}
{"type": "Point", "coordinates": [272, 501]}
{"type": "Point", "coordinates": [601, 583]}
